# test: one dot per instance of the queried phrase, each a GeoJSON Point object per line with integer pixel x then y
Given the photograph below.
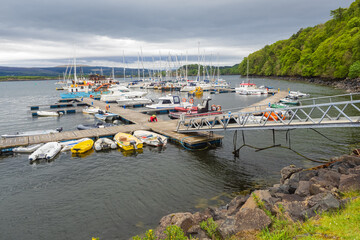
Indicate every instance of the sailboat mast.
{"type": "Point", "coordinates": [247, 70]}
{"type": "Point", "coordinates": [75, 78]}
{"type": "Point", "coordinates": [124, 64]}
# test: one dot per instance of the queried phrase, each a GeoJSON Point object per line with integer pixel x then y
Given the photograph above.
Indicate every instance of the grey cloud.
{"type": "Point", "coordinates": [238, 23]}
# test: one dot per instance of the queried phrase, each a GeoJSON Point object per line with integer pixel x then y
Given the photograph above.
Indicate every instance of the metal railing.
{"type": "Point", "coordinates": [330, 114]}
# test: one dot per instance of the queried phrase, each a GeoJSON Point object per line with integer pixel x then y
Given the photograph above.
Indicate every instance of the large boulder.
{"type": "Point", "coordinates": [286, 172]}
{"type": "Point", "coordinates": [349, 182]}
{"type": "Point", "coordinates": [183, 220]}
{"type": "Point", "coordinates": [247, 219]}
{"type": "Point", "coordinates": [331, 176]}
{"type": "Point", "coordinates": [303, 189]}
{"type": "Point", "coordinates": [293, 210]}
{"type": "Point", "coordinates": [351, 160]}
{"type": "Point", "coordinates": [236, 204]}
{"type": "Point", "coordinates": [320, 203]}
{"type": "Point", "coordinates": [319, 185]}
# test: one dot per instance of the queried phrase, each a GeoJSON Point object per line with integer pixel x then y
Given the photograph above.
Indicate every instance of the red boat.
{"type": "Point", "coordinates": [200, 110]}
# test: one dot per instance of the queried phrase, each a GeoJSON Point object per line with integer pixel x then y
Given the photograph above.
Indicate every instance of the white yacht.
{"type": "Point", "coordinates": [116, 92]}
{"type": "Point", "coordinates": [250, 89]}
{"type": "Point", "coordinates": [132, 101]}
{"type": "Point", "coordinates": [169, 101]}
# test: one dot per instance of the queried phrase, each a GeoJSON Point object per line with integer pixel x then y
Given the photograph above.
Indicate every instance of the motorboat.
{"type": "Point", "coordinates": [48, 114]}
{"type": "Point", "coordinates": [67, 145]}
{"type": "Point", "coordinates": [250, 89]}
{"type": "Point", "coordinates": [96, 125]}
{"type": "Point", "coordinates": [290, 100]}
{"type": "Point", "coordinates": [117, 92]}
{"type": "Point", "coordinates": [169, 101]}
{"type": "Point", "coordinates": [104, 143]}
{"type": "Point", "coordinates": [197, 92]}
{"type": "Point", "coordinates": [202, 109]}
{"type": "Point", "coordinates": [298, 94]}
{"type": "Point", "coordinates": [47, 151]}
{"type": "Point", "coordinates": [151, 138]}
{"type": "Point", "coordinates": [83, 146]}
{"type": "Point", "coordinates": [27, 149]}
{"type": "Point", "coordinates": [132, 101]}
{"type": "Point", "coordinates": [32, 133]}
{"type": "Point", "coordinates": [127, 141]}
{"type": "Point", "coordinates": [106, 116]}
{"type": "Point", "coordinates": [91, 110]}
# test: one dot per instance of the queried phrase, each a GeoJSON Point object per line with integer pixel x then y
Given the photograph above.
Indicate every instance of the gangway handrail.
{"type": "Point", "coordinates": [329, 97]}
{"type": "Point", "coordinates": [261, 118]}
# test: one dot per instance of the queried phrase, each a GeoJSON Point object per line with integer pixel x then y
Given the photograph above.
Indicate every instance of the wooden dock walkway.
{"type": "Point", "coordinates": [138, 120]}
{"type": "Point", "coordinates": [164, 127]}
{"type": "Point", "coordinates": [262, 105]}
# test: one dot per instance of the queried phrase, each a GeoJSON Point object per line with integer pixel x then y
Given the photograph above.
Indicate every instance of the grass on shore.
{"type": "Point", "coordinates": [340, 224]}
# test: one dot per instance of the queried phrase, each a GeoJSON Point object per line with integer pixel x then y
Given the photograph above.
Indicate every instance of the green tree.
{"type": "Point", "coordinates": [354, 70]}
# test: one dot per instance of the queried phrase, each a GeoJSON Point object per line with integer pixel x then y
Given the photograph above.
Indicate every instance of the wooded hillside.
{"type": "Point", "coordinates": [329, 50]}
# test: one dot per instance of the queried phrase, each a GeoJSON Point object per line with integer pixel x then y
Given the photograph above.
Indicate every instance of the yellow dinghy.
{"type": "Point", "coordinates": [82, 146]}
{"type": "Point", "coordinates": [127, 141]}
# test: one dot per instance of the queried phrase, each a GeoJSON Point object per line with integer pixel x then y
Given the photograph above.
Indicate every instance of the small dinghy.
{"type": "Point", "coordinates": [32, 133]}
{"type": "Point", "coordinates": [67, 145]}
{"type": "Point", "coordinates": [96, 125]}
{"type": "Point", "coordinates": [83, 146]}
{"type": "Point", "coordinates": [48, 114]}
{"type": "Point", "coordinates": [127, 141]}
{"type": "Point", "coordinates": [104, 143]}
{"type": "Point", "coordinates": [151, 138]}
{"type": "Point", "coordinates": [27, 149]}
{"type": "Point", "coordinates": [106, 116]}
{"type": "Point", "coordinates": [91, 110]}
{"type": "Point", "coordinates": [47, 151]}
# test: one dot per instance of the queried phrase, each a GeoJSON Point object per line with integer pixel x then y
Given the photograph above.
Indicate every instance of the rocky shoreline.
{"type": "Point", "coordinates": [301, 194]}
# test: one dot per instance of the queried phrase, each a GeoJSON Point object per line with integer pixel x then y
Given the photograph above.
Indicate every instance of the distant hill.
{"type": "Point", "coordinates": [59, 70]}
{"type": "Point", "coordinates": [329, 50]}
{"type": "Point", "coordinates": [85, 70]}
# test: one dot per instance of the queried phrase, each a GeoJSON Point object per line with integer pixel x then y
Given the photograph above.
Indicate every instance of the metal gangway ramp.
{"type": "Point", "coordinates": [322, 112]}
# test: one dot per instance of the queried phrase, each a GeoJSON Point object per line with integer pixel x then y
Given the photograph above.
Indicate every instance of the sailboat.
{"type": "Point", "coordinates": [249, 88]}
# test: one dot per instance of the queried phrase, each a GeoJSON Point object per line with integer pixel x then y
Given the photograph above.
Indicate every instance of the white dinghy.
{"type": "Point", "coordinates": [47, 151]}
{"type": "Point", "coordinates": [151, 138]}
{"type": "Point", "coordinates": [48, 114]}
{"type": "Point", "coordinates": [32, 133]}
{"type": "Point", "coordinates": [27, 149]}
{"type": "Point", "coordinates": [104, 143]}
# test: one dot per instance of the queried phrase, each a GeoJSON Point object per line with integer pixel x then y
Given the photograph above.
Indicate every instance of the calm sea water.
{"type": "Point", "coordinates": [112, 196]}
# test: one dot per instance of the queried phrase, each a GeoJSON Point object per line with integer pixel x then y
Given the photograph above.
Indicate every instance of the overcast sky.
{"type": "Point", "coordinates": [37, 33]}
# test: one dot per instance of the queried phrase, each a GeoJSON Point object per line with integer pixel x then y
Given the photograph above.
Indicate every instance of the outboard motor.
{"type": "Point", "coordinates": [160, 141]}
{"type": "Point", "coordinates": [133, 142]}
